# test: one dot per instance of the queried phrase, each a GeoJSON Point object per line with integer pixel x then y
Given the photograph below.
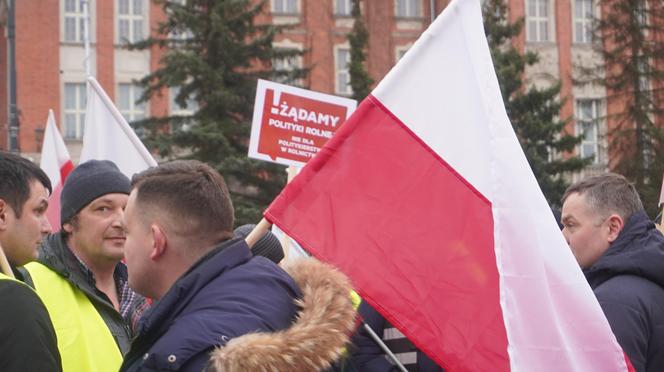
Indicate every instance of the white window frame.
{"type": "Point", "coordinates": [134, 110]}
{"type": "Point", "coordinates": [347, 5]}
{"type": "Point", "coordinates": [175, 109]}
{"type": "Point", "coordinates": [583, 24]}
{"type": "Point", "coordinates": [290, 63]}
{"type": "Point", "coordinates": [412, 8]}
{"type": "Point", "coordinates": [187, 34]}
{"type": "Point", "coordinates": [339, 72]}
{"type": "Point", "coordinates": [75, 130]}
{"type": "Point", "coordinates": [400, 51]}
{"type": "Point", "coordinates": [537, 23]}
{"type": "Point", "coordinates": [77, 16]}
{"type": "Point", "coordinates": [282, 7]}
{"type": "Point", "coordinates": [594, 121]}
{"type": "Point", "coordinates": [131, 18]}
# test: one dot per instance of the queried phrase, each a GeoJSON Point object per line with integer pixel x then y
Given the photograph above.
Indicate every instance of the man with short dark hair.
{"type": "Point", "coordinates": [622, 256]}
{"type": "Point", "coordinates": [208, 289]}
{"type": "Point", "coordinates": [218, 307]}
{"type": "Point", "coordinates": [27, 338]}
{"type": "Point", "coordinates": [79, 274]}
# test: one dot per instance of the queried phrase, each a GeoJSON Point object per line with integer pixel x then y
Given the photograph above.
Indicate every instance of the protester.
{"type": "Point", "coordinates": [622, 256]}
{"type": "Point", "coordinates": [79, 275]}
{"type": "Point", "coordinates": [367, 355]}
{"type": "Point", "coordinates": [209, 289]}
{"type": "Point", "coordinates": [267, 246]}
{"type": "Point", "coordinates": [27, 338]}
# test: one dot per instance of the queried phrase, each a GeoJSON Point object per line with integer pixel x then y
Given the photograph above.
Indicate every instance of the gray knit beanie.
{"type": "Point", "coordinates": [89, 181]}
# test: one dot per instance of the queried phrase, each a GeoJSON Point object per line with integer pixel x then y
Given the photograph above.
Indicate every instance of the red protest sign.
{"type": "Point", "coordinates": [291, 124]}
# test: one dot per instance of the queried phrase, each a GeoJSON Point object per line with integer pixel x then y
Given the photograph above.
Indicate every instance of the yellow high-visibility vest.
{"type": "Point", "coordinates": [3, 276]}
{"type": "Point", "coordinates": [84, 341]}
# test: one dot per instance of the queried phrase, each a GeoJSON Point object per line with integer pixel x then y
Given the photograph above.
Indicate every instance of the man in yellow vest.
{"type": "Point", "coordinates": [79, 274]}
{"type": "Point", "coordinates": [27, 338]}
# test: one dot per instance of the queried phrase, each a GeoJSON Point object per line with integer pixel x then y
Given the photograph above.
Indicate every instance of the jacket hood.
{"type": "Point", "coordinates": [639, 251]}
{"type": "Point", "coordinates": [315, 340]}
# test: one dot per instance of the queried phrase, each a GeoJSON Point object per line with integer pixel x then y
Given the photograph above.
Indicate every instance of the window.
{"type": "Point", "coordinates": [401, 51]}
{"type": "Point", "coordinates": [74, 21]}
{"type": "Point", "coordinates": [179, 34]}
{"type": "Point", "coordinates": [130, 20]}
{"type": "Point", "coordinates": [128, 94]}
{"type": "Point", "coordinates": [537, 20]}
{"type": "Point", "coordinates": [343, 7]}
{"type": "Point", "coordinates": [342, 59]}
{"type": "Point", "coordinates": [583, 19]}
{"type": "Point", "coordinates": [74, 112]}
{"type": "Point", "coordinates": [285, 65]}
{"type": "Point", "coordinates": [587, 125]}
{"type": "Point", "coordinates": [177, 109]}
{"type": "Point", "coordinates": [408, 8]}
{"type": "Point", "coordinates": [284, 6]}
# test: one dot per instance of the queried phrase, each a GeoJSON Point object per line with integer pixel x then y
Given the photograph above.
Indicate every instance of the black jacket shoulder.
{"type": "Point", "coordinates": [27, 338]}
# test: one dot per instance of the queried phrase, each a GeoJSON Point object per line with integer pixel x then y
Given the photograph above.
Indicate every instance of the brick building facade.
{"type": "Point", "coordinates": [50, 56]}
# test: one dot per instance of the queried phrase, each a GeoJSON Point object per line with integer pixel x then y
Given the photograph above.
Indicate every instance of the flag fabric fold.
{"type": "Point", "coordinates": [426, 200]}
{"type": "Point", "coordinates": [108, 136]}
{"type": "Point", "coordinates": [57, 164]}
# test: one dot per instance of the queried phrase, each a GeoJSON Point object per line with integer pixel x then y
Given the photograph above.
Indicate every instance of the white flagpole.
{"type": "Point", "coordinates": [86, 36]}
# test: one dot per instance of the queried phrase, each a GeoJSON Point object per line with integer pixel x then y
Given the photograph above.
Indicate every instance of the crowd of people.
{"type": "Point", "coordinates": [148, 274]}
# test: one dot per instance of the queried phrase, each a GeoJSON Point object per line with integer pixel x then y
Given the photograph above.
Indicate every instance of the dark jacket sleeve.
{"type": "Point", "coordinates": [366, 354]}
{"type": "Point", "coordinates": [27, 338]}
{"type": "Point", "coordinates": [627, 318]}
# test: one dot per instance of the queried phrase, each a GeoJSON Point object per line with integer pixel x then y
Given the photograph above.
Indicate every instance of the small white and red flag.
{"type": "Point", "coordinates": [56, 162]}
{"type": "Point", "coordinates": [426, 200]}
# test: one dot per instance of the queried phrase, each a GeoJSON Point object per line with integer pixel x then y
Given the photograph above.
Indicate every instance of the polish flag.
{"type": "Point", "coordinates": [108, 136]}
{"type": "Point", "coordinates": [426, 200]}
{"type": "Point", "coordinates": [56, 162]}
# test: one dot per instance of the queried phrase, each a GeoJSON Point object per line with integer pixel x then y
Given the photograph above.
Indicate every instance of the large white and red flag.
{"type": "Point", "coordinates": [108, 136]}
{"type": "Point", "coordinates": [426, 200]}
{"type": "Point", "coordinates": [56, 162]}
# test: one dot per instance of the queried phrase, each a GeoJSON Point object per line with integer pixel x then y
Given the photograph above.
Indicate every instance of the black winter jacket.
{"type": "Point", "coordinates": [628, 281]}
{"type": "Point", "coordinates": [27, 337]}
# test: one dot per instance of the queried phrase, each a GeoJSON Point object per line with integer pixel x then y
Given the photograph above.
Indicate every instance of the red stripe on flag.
{"type": "Point", "coordinates": [64, 171]}
{"type": "Point", "coordinates": [53, 211]}
{"type": "Point", "coordinates": [414, 236]}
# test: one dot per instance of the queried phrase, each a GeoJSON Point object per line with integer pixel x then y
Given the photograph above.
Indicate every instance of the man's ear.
{"type": "Point", "coordinates": [615, 225]}
{"type": "Point", "coordinates": [4, 210]}
{"type": "Point", "coordinates": [159, 242]}
{"type": "Point", "coordinates": [68, 227]}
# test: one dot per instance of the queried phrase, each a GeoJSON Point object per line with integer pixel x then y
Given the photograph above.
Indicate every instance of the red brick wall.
{"type": "Point", "coordinates": [563, 14]}
{"type": "Point", "coordinates": [37, 66]}
{"type": "Point", "coordinates": [105, 46]}
{"type": "Point", "coordinates": [159, 103]}
{"type": "Point", "coordinates": [318, 34]}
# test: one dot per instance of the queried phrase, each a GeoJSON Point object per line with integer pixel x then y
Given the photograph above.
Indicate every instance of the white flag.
{"type": "Point", "coordinates": [56, 162]}
{"type": "Point", "coordinates": [108, 136]}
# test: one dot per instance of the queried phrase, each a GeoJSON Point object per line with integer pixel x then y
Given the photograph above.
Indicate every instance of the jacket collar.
{"type": "Point", "coordinates": [220, 259]}
{"type": "Point", "coordinates": [638, 250]}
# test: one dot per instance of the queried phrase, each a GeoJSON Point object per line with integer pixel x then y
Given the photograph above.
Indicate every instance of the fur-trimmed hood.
{"type": "Point", "coordinates": [316, 338]}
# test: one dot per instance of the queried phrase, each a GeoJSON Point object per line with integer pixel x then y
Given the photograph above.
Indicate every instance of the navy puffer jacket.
{"type": "Point", "coordinates": [628, 281]}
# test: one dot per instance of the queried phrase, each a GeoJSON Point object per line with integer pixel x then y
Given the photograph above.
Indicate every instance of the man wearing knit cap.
{"type": "Point", "coordinates": [79, 274]}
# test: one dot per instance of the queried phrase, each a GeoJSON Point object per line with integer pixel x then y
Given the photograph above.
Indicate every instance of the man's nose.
{"type": "Point", "coordinates": [46, 227]}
